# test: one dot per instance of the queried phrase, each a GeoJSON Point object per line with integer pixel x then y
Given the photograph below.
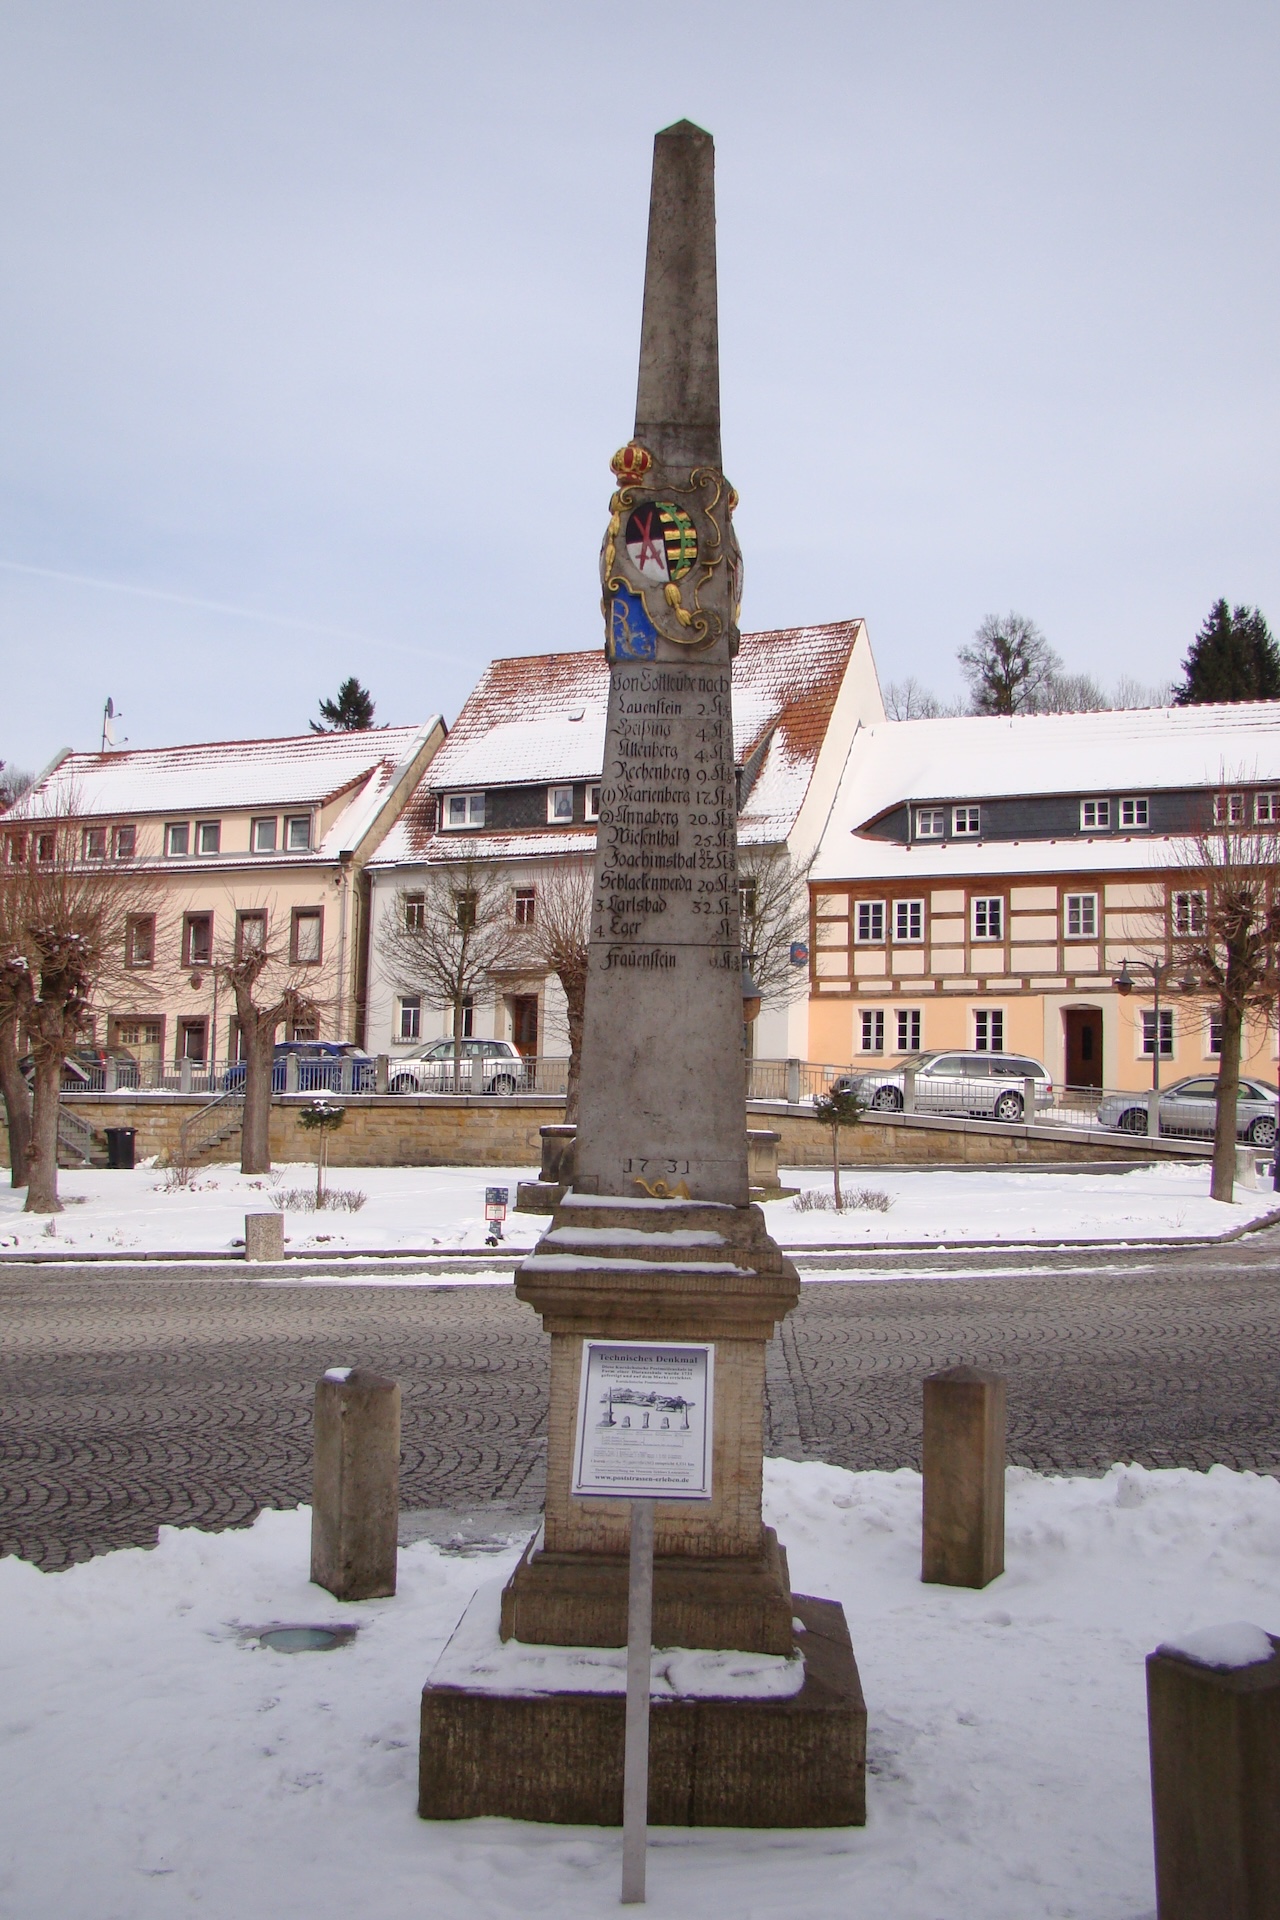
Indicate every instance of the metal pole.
{"type": "Point", "coordinates": [635, 1780]}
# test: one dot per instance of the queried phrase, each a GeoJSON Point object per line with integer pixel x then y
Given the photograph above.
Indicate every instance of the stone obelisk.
{"type": "Point", "coordinates": [656, 1240]}
{"type": "Point", "coordinates": [661, 1105]}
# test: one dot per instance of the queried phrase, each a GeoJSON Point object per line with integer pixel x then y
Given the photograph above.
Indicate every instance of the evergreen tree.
{"type": "Point", "coordinates": [1233, 657]}
{"type": "Point", "coordinates": [351, 712]}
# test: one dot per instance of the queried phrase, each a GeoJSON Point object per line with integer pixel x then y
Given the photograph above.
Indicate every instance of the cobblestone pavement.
{"type": "Point", "coordinates": [130, 1402]}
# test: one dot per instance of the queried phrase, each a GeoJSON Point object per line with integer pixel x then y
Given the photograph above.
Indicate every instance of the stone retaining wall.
{"type": "Point", "coordinates": [473, 1131]}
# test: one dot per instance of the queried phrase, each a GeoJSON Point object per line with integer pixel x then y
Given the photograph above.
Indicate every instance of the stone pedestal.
{"type": "Point", "coordinates": [659, 1270]}
{"type": "Point", "coordinates": [964, 1459]}
{"type": "Point", "coordinates": [796, 1762]}
{"type": "Point", "coordinates": [264, 1236]}
{"type": "Point", "coordinates": [1215, 1787]}
{"type": "Point", "coordinates": [355, 1503]}
{"type": "Point", "coordinates": [544, 1194]}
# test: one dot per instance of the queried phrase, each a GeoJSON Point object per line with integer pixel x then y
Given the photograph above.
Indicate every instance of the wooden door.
{"type": "Point", "coordinates": [524, 1023]}
{"type": "Point", "coordinates": [1082, 1031]}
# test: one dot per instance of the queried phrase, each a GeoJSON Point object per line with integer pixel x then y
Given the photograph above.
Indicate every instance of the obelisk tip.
{"type": "Point", "coordinates": [683, 130]}
{"type": "Point", "coordinates": [678, 395]}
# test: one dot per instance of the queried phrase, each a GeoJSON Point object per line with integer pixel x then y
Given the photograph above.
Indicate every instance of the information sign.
{"type": "Point", "coordinates": [645, 1426]}
{"type": "Point", "coordinates": [495, 1202]}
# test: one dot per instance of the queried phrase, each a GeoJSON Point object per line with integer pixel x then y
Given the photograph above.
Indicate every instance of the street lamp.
{"type": "Point", "coordinates": [1124, 983]}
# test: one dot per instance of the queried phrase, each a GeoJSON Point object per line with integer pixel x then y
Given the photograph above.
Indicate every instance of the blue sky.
{"type": "Point", "coordinates": [318, 327]}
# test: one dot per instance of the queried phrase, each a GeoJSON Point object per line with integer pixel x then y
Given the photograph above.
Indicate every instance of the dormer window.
{"type": "Point", "coordinates": [593, 802]}
{"type": "Point", "coordinates": [1133, 813]}
{"type": "Point", "coordinates": [208, 836]}
{"type": "Point", "coordinates": [560, 806]}
{"type": "Point", "coordinates": [297, 833]}
{"type": "Point", "coordinates": [1095, 816]}
{"type": "Point", "coordinates": [1228, 809]}
{"type": "Point", "coordinates": [463, 810]}
{"type": "Point", "coordinates": [262, 835]}
{"type": "Point", "coordinates": [931, 823]}
{"type": "Point", "coordinates": [966, 822]}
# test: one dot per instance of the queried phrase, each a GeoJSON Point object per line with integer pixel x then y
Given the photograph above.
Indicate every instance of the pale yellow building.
{"type": "Point", "coordinates": [239, 840]}
{"type": "Point", "coordinates": [982, 880]}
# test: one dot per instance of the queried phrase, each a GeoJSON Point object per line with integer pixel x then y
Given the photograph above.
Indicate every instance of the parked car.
{"type": "Point", "coordinates": [983, 1086]}
{"type": "Point", "coordinates": [1190, 1107]}
{"type": "Point", "coordinates": [486, 1066]}
{"type": "Point", "coordinates": [319, 1067]}
{"type": "Point", "coordinates": [84, 1069]}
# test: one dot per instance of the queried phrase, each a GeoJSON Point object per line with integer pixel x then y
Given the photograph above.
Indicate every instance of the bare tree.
{"type": "Point", "coordinates": [558, 941]}
{"type": "Point", "coordinates": [444, 939]}
{"type": "Point", "coordinates": [67, 911]}
{"type": "Point", "coordinates": [14, 984]}
{"type": "Point", "coordinates": [270, 990]}
{"type": "Point", "coordinates": [774, 892]}
{"type": "Point", "coordinates": [1070, 693]}
{"type": "Point", "coordinates": [1224, 930]}
{"type": "Point", "coordinates": [1130, 693]}
{"type": "Point", "coordinates": [1008, 665]}
{"type": "Point", "coordinates": [909, 700]}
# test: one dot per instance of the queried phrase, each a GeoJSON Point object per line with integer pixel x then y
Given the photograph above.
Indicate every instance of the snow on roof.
{"type": "Point", "coordinates": [855, 856]}
{"type": "Point", "coordinates": [301, 770]}
{"type": "Point", "coordinates": [978, 758]}
{"type": "Point", "coordinates": [541, 717]}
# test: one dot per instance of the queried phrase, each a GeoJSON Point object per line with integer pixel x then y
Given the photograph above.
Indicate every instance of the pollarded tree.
{"type": "Point", "coordinates": [774, 892]}
{"type": "Point", "coordinates": [1233, 657]}
{"type": "Point", "coordinates": [1225, 933]}
{"type": "Point", "coordinates": [15, 980]}
{"type": "Point", "coordinates": [67, 911]}
{"type": "Point", "coordinates": [445, 939]}
{"type": "Point", "coordinates": [1008, 665]}
{"type": "Point", "coordinates": [557, 940]}
{"type": "Point", "coordinates": [270, 991]}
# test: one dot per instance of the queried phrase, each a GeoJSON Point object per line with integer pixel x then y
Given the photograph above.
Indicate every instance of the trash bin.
{"type": "Point", "coordinates": [120, 1147]}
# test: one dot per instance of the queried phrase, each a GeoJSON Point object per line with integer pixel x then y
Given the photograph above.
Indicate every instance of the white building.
{"type": "Point", "coordinates": [517, 783]}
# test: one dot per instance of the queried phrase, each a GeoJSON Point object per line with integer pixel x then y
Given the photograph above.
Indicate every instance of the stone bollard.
{"type": "Point", "coordinates": [264, 1236]}
{"type": "Point", "coordinates": [382, 1073]}
{"type": "Point", "coordinates": [1247, 1169]}
{"type": "Point", "coordinates": [355, 1500]}
{"type": "Point", "coordinates": [964, 1428]}
{"type": "Point", "coordinates": [1213, 1719]}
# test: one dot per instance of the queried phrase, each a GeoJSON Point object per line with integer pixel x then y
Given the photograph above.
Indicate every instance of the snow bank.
{"type": "Point", "coordinates": [155, 1758]}
{"type": "Point", "coordinates": [416, 1208]}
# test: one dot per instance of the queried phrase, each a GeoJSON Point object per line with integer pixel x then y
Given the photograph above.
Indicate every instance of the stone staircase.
{"type": "Point", "coordinates": [211, 1126]}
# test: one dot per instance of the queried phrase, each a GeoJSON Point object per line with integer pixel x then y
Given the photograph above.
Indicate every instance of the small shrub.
{"type": "Point", "coordinates": [861, 1200]}
{"type": "Point", "coordinates": [306, 1200]}
{"type": "Point", "coordinates": [177, 1178]}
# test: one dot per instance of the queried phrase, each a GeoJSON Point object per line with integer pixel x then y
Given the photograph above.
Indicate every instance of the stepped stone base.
{"type": "Point", "coordinates": [557, 1757]}
{"type": "Point", "coordinates": [580, 1600]}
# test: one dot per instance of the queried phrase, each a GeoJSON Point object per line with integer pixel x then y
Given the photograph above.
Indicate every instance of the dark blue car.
{"type": "Point", "coordinates": [320, 1067]}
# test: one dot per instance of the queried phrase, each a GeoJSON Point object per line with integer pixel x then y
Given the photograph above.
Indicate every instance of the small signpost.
{"type": "Point", "coordinates": [495, 1212]}
{"type": "Point", "coordinates": [644, 1434]}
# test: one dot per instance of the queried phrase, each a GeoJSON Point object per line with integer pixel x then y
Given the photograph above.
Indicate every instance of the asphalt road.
{"type": "Point", "coordinates": [179, 1396]}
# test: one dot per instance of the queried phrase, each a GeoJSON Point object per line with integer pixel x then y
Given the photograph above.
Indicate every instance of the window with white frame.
{"type": "Point", "coordinates": [94, 843]}
{"type": "Point", "coordinates": [1095, 816]}
{"type": "Point", "coordinates": [124, 842]}
{"type": "Point", "coordinates": [931, 823]}
{"type": "Point", "coordinates": [1188, 912]}
{"type": "Point", "coordinates": [966, 822]}
{"type": "Point", "coordinates": [908, 921]}
{"type": "Point", "coordinates": [262, 835]}
{"type": "Point", "coordinates": [410, 1027]}
{"type": "Point", "coordinates": [1266, 809]}
{"type": "Point", "coordinates": [526, 906]}
{"type": "Point", "coordinates": [988, 1030]}
{"type": "Point", "coordinates": [1082, 916]}
{"type": "Point", "coordinates": [297, 833]}
{"type": "Point", "coordinates": [593, 802]}
{"type": "Point", "coordinates": [908, 1029]}
{"type": "Point", "coordinates": [1134, 813]}
{"type": "Point", "coordinates": [560, 806]}
{"type": "Point", "coordinates": [177, 838]}
{"type": "Point", "coordinates": [988, 917]}
{"type": "Point", "coordinates": [463, 810]}
{"type": "Point", "coordinates": [1213, 1038]}
{"type": "Point", "coordinates": [1149, 1032]}
{"type": "Point", "coordinates": [868, 922]}
{"type": "Point", "coordinates": [415, 911]}
{"type": "Point", "coordinates": [1228, 809]}
{"type": "Point", "coordinates": [208, 836]}
{"type": "Point", "coordinates": [873, 1030]}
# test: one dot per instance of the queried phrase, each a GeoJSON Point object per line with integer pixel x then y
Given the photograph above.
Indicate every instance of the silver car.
{"type": "Point", "coordinates": [983, 1086]}
{"type": "Point", "coordinates": [486, 1066]}
{"type": "Point", "coordinates": [1190, 1107]}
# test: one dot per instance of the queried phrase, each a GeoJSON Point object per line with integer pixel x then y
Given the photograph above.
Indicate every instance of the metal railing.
{"type": "Point", "coordinates": [213, 1124]}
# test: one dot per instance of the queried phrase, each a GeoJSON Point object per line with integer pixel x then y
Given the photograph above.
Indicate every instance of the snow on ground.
{"type": "Point", "coordinates": [443, 1208]}
{"type": "Point", "coordinates": [156, 1759]}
